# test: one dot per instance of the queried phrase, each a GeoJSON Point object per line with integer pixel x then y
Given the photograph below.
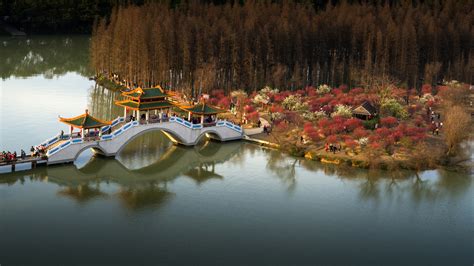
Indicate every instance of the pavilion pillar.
{"type": "Point", "coordinates": [202, 119]}
{"type": "Point", "coordinates": [125, 112]}
{"type": "Point", "coordinates": [70, 132]}
{"type": "Point", "coordinates": [82, 133]}
{"type": "Point", "coordinates": [147, 115]}
{"type": "Point", "coordinates": [189, 116]}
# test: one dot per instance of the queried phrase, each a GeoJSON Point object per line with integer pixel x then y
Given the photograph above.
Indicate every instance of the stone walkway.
{"type": "Point", "coordinates": [257, 130]}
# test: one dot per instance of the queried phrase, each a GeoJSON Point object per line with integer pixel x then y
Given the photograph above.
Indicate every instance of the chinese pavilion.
{"type": "Point", "coordinates": [202, 109]}
{"type": "Point", "coordinates": [139, 100]}
{"type": "Point", "coordinates": [84, 122]}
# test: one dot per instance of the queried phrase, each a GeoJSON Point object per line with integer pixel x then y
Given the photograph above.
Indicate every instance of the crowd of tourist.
{"type": "Point", "coordinates": [436, 123]}
{"type": "Point", "coordinates": [329, 147]}
{"type": "Point", "coordinates": [7, 156]}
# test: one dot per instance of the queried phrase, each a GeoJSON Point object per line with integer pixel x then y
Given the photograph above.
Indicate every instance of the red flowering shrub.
{"type": "Point", "coordinates": [426, 88]}
{"type": "Point", "coordinates": [383, 132]}
{"type": "Point", "coordinates": [336, 91]}
{"type": "Point", "coordinates": [334, 102]}
{"type": "Point", "coordinates": [335, 126]}
{"type": "Point", "coordinates": [375, 146]}
{"type": "Point", "coordinates": [281, 126]}
{"type": "Point", "coordinates": [224, 103]}
{"type": "Point", "coordinates": [323, 123]}
{"type": "Point", "coordinates": [346, 100]}
{"type": "Point", "coordinates": [356, 91]}
{"type": "Point", "coordinates": [397, 135]}
{"type": "Point", "coordinates": [247, 101]}
{"type": "Point", "coordinates": [327, 108]}
{"type": "Point", "coordinates": [331, 139]}
{"type": "Point", "coordinates": [279, 97]}
{"type": "Point", "coordinates": [344, 88]}
{"type": "Point", "coordinates": [324, 100]}
{"type": "Point", "coordinates": [388, 141]}
{"type": "Point", "coordinates": [249, 109]}
{"type": "Point", "coordinates": [276, 109]}
{"type": "Point", "coordinates": [311, 132]}
{"type": "Point", "coordinates": [352, 123]}
{"type": "Point", "coordinates": [310, 91]}
{"type": "Point", "coordinates": [374, 138]}
{"type": "Point", "coordinates": [360, 132]}
{"type": "Point", "coordinates": [213, 101]}
{"type": "Point", "coordinates": [219, 94]}
{"type": "Point", "coordinates": [388, 121]}
{"type": "Point", "coordinates": [253, 116]}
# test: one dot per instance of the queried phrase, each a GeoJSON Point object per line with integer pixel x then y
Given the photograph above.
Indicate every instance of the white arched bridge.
{"type": "Point", "coordinates": [180, 131]}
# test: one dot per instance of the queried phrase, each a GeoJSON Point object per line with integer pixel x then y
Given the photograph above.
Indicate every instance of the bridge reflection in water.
{"type": "Point", "coordinates": [142, 185]}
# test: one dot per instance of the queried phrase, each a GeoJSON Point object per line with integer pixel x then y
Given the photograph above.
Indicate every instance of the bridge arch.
{"type": "Point", "coordinates": [169, 133]}
{"type": "Point", "coordinates": [92, 146]}
{"type": "Point", "coordinates": [212, 132]}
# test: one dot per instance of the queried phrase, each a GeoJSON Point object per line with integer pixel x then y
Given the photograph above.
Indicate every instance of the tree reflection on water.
{"type": "Point", "coordinates": [50, 56]}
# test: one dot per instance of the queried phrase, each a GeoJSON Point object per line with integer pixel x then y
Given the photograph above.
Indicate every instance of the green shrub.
{"type": "Point", "coordinates": [392, 107]}
{"type": "Point", "coordinates": [370, 124]}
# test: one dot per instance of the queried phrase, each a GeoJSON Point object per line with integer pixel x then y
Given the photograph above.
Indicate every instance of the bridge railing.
{"type": "Point", "coordinates": [220, 123]}
{"type": "Point", "coordinates": [115, 122]}
{"type": "Point", "coordinates": [223, 123]}
{"type": "Point", "coordinates": [63, 146]}
{"type": "Point", "coordinates": [179, 120]}
{"type": "Point", "coordinates": [120, 131]}
{"type": "Point", "coordinates": [104, 137]}
{"type": "Point", "coordinates": [50, 141]}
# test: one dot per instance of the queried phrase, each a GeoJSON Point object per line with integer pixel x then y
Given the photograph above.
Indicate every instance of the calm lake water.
{"type": "Point", "coordinates": [233, 203]}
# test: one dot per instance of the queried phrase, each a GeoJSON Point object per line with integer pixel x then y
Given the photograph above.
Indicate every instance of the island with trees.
{"type": "Point", "coordinates": [370, 85]}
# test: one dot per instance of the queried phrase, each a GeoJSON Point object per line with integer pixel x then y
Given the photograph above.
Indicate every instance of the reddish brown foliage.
{"type": "Point", "coordinates": [249, 109]}
{"type": "Point", "coordinates": [426, 88]}
{"type": "Point", "coordinates": [360, 132]}
{"type": "Point", "coordinates": [389, 121]}
{"type": "Point", "coordinates": [276, 109]}
{"type": "Point", "coordinates": [331, 139]}
{"type": "Point", "coordinates": [352, 123]}
{"type": "Point", "coordinates": [253, 116]}
{"type": "Point", "coordinates": [382, 132]}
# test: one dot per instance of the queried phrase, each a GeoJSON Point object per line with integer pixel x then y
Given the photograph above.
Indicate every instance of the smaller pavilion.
{"type": "Point", "coordinates": [144, 100]}
{"type": "Point", "coordinates": [202, 109]}
{"type": "Point", "coordinates": [364, 111]}
{"type": "Point", "coordinates": [84, 122]}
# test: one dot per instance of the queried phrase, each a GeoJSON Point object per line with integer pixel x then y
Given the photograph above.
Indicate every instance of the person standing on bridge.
{"type": "Point", "coordinates": [32, 150]}
{"type": "Point", "coordinates": [23, 154]}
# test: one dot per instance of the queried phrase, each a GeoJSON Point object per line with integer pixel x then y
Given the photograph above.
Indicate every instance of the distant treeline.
{"type": "Point", "coordinates": [57, 16]}
{"type": "Point", "coordinates": [286, 45]}
{"type": "Point", "coordinates": [77, 16]}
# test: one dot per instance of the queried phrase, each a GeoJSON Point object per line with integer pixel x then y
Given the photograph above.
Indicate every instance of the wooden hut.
{"type": "Point", "coordinates": [364, 111]}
